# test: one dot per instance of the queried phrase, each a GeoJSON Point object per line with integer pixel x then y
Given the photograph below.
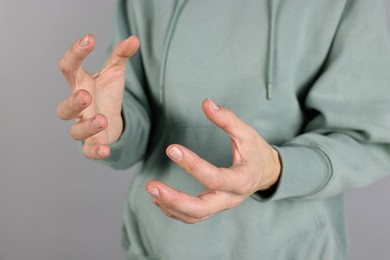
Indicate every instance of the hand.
{"type": "Point", "coordinates": [96, 102]}
{"type": "Point", "coordinates": [256, 166]}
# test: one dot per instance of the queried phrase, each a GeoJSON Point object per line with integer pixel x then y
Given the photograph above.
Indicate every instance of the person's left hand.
{"type": "Point", "coordinates": [256, 167]}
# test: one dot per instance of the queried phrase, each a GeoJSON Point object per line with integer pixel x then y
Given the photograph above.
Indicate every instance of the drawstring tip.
{"type": "Point", "coordinates": [269, 91]}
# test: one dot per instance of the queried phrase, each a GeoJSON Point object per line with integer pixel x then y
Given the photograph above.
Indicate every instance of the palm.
{"type": "Point", "coordinates": [106, 89]}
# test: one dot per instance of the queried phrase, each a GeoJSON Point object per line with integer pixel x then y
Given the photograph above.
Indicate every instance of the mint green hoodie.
{"type": "Point", "coordinates": [311, 76]}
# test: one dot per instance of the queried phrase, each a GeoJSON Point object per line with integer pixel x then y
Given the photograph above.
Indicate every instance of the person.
{"type": "Point", "coordinates": [268, 111]}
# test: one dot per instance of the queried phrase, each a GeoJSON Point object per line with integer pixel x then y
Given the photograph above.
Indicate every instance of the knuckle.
{"type": "Point", "coordinates": [75, 134]}
{"type": "Point", "coordinates": [63, 66]}
{"type": "Point", "coordinates": [193, 165]}
{"type": "Point", "coordinates": [87, 152]}
{"type": "Point", "coordinates": [72, 133]}
{"type": "Point", "coordinates": [171, 203]}
{"type": "Point", "coordinates": [59, 112]}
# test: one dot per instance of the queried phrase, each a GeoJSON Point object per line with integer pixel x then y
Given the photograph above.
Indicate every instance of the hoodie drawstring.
{"type": "Point", "coordinates": [171, 29]}
{"type": "Point", "coordinates": [273, 6]}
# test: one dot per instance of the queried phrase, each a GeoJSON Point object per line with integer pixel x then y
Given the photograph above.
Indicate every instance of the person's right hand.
{"type": "Point", "coordinates": [96, 102]}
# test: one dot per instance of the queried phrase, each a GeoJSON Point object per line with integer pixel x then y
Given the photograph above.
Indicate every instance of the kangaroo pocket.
{"type": "Point", "coordinates": [285, 229]}
{"type": "Point", "coordinates": [253, 230]}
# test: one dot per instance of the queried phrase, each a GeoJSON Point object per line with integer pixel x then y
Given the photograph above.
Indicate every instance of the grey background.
{"type": "Point", "coordinates": [54, 203]}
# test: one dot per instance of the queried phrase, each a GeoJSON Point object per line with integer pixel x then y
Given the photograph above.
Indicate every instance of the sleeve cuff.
{"type": "Point", "coordinates": [116, 148]}
{"type": "Point", "coordinates": [305, 171]}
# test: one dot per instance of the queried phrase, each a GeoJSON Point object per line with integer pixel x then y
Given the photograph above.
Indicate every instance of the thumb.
{"type": "Point", "coordinates": [227, 120]}
{"type": "Point", "coordinates": [122, 51]}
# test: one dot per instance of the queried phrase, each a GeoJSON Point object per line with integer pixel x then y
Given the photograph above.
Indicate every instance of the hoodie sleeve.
{"type": "Point", "coordinates": [346, 144]}
{"type": "Point", "coordinates": [131, 145]}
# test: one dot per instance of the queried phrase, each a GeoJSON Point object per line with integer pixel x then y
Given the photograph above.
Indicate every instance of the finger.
{"type": "Point", "coordinates": [162, 209]}
{"type": "Point", "coordinates": [176, 215]}
{"type": "Point", "coordinates": [123, 51]}
{"type": "Point", "coordinates": [172, 214]}
{"type": "Point", "coordinates": [212, 177]}
{"type": "Point", "coordinates": [71, 107]}
{"type": "Point", "coordinates": [96, 151]}
{"type": "Point", "coordinates": [181, 204]}
{"type": "Point", "coordinates": [227, 120]}
{"type": "Point", "coordinates": [88, 128]}
{"type": "Point", "coordinates": [70, 63]}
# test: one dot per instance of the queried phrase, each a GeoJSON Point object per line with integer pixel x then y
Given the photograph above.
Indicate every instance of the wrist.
{"type": "Point", "coordinates": [271, 179]}
{"type": "Point", "coordinates": [115, 128]}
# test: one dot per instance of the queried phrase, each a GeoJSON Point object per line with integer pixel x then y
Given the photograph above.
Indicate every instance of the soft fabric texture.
{"type": "Point", "coordinates": [312, 77]}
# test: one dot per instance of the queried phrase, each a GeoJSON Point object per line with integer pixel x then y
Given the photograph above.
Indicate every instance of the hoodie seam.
{"type": "Point", "coordinates": [328, 164]}
{"type": "Point", "coordinates": [170, 34]}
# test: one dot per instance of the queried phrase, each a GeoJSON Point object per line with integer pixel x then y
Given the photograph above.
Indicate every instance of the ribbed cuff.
{"type": "Point", "coordinates": [305, 171]}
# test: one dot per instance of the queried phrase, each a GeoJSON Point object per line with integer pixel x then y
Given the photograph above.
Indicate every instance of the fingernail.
{"type": "Point", "coordinates": [133, 37]}
{"type": "Point", "coordinates": [155, 192]}
{"type": "Point", "coordinates": [95, 124]}
{"type": "Point", "coordinates": [79, 101]}
{"type": "Point", "coordinates": [175, 153]}
{"type": "Point", "coordinates": [84, 41]}
{"type": "Point", "coordinates": [213, 105]}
